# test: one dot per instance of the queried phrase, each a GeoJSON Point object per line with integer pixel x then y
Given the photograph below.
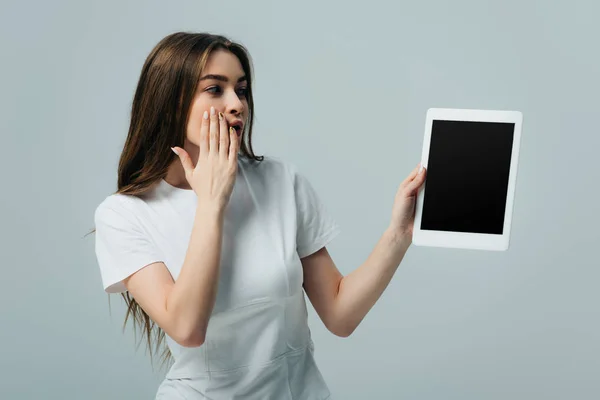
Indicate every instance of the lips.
{"type": "Point", "coordinates": [238, 126]}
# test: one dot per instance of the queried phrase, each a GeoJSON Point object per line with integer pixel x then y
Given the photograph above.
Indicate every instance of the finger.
{"type": "Point", "coordinates": [223, 136]}
{"type": "Point", "coordinates": [412, 175]}
{"type": "Point", "coordinates": [213, 132]}
{"type": "Point", "coordinates": [413, 187]}
{"type": "Point", "coordinates": [204, 134]}
{"type": "Point", "coordinates": [184, 158]}
{"type": "Point", "coordinates": [234, 146]}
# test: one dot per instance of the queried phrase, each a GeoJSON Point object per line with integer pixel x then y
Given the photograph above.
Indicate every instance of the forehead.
{"type": "Point", "coordinates": [223, 62]}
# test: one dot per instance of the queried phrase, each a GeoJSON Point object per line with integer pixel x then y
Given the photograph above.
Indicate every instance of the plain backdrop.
{"type": "Point", "coordinates": [341, 90]}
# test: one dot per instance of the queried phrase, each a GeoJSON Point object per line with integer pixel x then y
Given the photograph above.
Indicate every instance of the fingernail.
{"type": "Point", "coordinates": [175, 151]}
{"type": "Point", "coordinates": [212, 111]}
{"type": "Point", "coordinates": [205, 115]}
{"type": "Point", "coordinates": [420, 167]}
{"type": "Point", "coordinates": [231, 130]}
{"type": "Point", "coordinates": [220, 116]}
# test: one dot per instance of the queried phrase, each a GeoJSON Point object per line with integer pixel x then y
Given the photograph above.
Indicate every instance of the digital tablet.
{"type": "Point", "coordinates": [471, 157]}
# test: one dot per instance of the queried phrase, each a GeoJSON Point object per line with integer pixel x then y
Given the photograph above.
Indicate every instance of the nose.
{"type": "Point", "coordinates": [233, 104]}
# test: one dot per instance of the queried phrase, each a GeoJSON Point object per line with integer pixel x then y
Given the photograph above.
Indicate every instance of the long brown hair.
{"type": "Point", "coordinates": [159, 116]}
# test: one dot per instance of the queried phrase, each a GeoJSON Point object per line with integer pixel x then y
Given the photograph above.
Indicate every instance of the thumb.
{"type": "Point", "coordinates": [184, 157]}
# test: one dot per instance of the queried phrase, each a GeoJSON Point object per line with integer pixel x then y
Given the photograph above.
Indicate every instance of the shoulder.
{"type": "Point", "coordinates": [117, 206]}
{"type": "Point", "coordinates": [271, 169]}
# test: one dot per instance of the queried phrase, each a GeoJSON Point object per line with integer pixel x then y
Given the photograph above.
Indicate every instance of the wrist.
{"type": "Point", "coordinates": [399, 239]}
{"type": "Point", "coordinates": [210, 210]}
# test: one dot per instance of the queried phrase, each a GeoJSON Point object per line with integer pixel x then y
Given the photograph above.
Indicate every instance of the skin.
{"type": "Point", "coordinates": [343, 301]}
{"type": "Point", "coordinates": [207, 164]}
{"type": "Point", "coordinates": [225, 97]}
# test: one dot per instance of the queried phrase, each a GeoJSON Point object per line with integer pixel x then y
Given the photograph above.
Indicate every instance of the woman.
{"type": "Point", "coordinates": [212, 247]}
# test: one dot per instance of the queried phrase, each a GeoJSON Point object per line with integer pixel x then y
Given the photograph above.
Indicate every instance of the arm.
{"type": "Point", "coordinates": [182, 308]}
{"type": "Point", "coordinates": [342, 302]}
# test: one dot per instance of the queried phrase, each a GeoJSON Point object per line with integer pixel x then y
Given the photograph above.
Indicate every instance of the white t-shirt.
{"type": "Point", "coordinates": [258, 344]}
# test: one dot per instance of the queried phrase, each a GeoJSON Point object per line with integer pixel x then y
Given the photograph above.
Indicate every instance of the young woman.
{"type": "Point", "coordinates": [213, 247]}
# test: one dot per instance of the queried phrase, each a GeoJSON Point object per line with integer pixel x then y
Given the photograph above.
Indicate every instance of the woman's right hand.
{"type": "Point", "coordinates": [213, 177]}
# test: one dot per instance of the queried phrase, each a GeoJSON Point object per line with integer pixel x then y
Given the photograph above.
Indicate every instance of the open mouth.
{"type": "Point", "coordinates": [238, 126]}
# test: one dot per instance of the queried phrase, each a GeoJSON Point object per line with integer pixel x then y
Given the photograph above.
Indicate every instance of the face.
{"type": "Point", "coordinates": [223, 86]}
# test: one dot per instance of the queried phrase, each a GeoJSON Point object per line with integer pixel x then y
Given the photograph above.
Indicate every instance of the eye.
{"type": "Point", "coordinates": [214, 89]}
{"type": "Point", "coordinates": [242, 91]}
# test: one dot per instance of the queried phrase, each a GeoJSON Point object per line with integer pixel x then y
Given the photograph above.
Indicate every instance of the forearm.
{"type": "Point", "coordinates": [360, 290]}
{"type": "Point", "coordinates": [191, 301]}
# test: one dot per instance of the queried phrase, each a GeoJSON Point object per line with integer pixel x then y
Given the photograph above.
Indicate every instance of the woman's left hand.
{"type": "Point", "coordinates": [403, 212]}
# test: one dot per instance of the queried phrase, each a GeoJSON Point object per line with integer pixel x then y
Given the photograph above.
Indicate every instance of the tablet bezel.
{"type": "Point", "coordinates": [474, 241]}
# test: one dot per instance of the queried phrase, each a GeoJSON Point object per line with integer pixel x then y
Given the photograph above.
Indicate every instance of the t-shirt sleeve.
{"type": "Point", "coordinates": [122, 247]}
{"type": "Point", "coordinates": [315, 226]}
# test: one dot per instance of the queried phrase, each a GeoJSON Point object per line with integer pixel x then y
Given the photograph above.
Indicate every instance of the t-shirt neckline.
{"type": "Point", "coordinates": [167, 187]}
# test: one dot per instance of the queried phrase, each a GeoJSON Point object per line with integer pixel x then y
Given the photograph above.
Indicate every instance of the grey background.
{"type": "Point", "coordinates": [341, 90]}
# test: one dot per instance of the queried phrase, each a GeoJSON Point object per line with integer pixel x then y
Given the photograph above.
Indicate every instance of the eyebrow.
{"type": "Point", "coordinates": [221, 78]}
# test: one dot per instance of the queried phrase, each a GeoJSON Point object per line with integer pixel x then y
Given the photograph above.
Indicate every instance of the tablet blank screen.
{"type": "Point", "coordinates": [467, 176]}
